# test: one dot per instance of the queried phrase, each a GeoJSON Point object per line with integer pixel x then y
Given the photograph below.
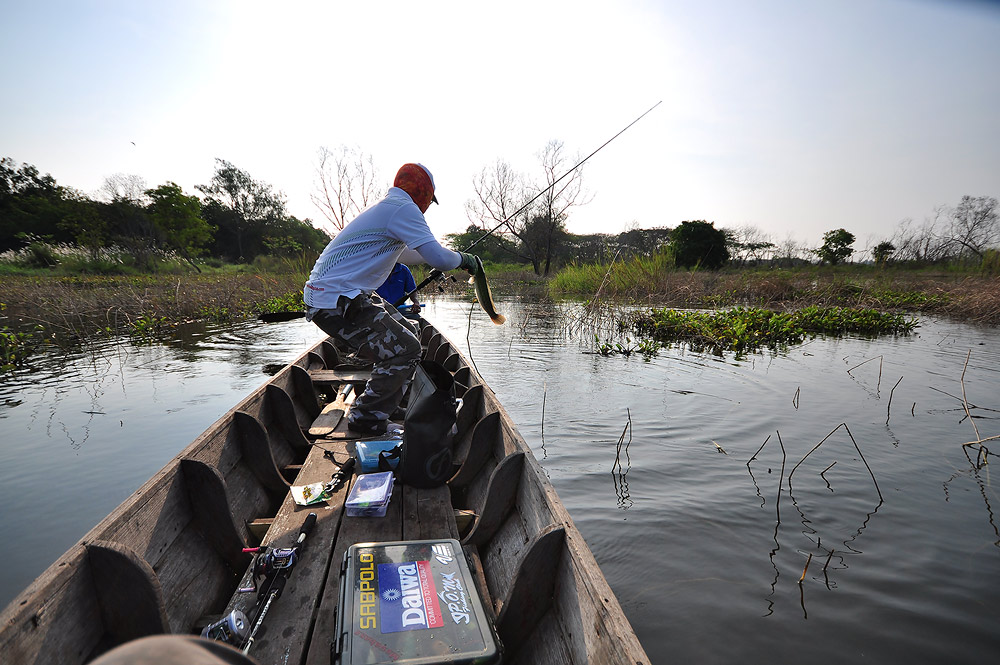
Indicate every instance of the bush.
{"type": "Point", "coordinates": [991, 262]}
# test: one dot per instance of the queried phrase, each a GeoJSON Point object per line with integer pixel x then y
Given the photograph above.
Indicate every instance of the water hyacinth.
{"type": "Point", "coordinates": [744, 329]}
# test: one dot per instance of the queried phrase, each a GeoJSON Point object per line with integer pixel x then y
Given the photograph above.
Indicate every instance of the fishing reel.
{"type": "Point", "coordinates": [231, 629]}
{"type": "Point", "coordinates": [270, 560]}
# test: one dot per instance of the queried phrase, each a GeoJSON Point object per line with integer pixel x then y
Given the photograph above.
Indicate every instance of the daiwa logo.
{"type": "Point", "coordinates": [409, 598]}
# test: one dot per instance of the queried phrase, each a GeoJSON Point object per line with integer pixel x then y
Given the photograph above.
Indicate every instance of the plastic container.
{"type": "Point", "coordinates": [370, 495]}
{"type": "Point", "coordinates": [411, 602]}
{"type": "Point", "coordinates": [367, 452]}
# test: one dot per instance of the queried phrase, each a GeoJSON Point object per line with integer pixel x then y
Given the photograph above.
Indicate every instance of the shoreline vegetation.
{"type": "Point", "coordinates": [750, 308]}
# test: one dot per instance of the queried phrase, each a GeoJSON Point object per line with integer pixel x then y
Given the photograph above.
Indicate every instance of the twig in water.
{"type": "Point", "coordinates": [545, 390]}
{"type": "Point", "coordinates": [720, 448]}
{"type": "Point", "coordinates": [823, 476]}
{"type": "Point", "coordinates": [621, 440]}
{"type": "Point", "coordinates": [806, 568]}
{"type": "Point", "coordinates": [889, 407]}
{"type": "Point", "coordinates": [759, 449]}
{"type": "Point", "coordinates": [965, 402]}
{"type": "Point", "coordinates": [974, 443]}
{"type": "Point", "coordinates": [795, 399]}
{"type": "Point", "coordinates": [879, 384]}
{"type": "Point", "coordinates": [856, 446]}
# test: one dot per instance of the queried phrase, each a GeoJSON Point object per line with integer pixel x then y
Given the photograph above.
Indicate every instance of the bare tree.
{"type": "Point", "coordinates": [538, 229]}
{"type": "Point", "coordinates": [971, 226]}
{"type": "Point", "coordinates": [123, 187]}
{"type": "Point", "coordinates": [347, 182]}
{"type": "Point", "coordinates": [500, 192]}
{"type": "Point", "coordinates": [558, 199]}
{"type": "Point", "coordinates": [749, 243]}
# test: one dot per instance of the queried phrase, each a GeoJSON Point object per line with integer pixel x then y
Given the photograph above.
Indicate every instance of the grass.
{"type": "Point", "coordinates": [971, 295]}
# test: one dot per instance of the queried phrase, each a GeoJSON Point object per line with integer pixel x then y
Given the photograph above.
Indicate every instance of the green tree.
{"type": "Point", "coordinates": [836, 246]}
{"type": "Point", "coordinates": [85, 219]}
{"type": "Point", "coordinates": [290, 236]}
{"type": "Point", "coordinates": [178, 219]}
{"type": "Point", "coordinates": [493, 247]}
{"type": "Point", "coordinates": [249, 206]}
{"type": "Point", "coordinates": [30, 203]}
{"type": "Point", "coordinates": [699, 244]}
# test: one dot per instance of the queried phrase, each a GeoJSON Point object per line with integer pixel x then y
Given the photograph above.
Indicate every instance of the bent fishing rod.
{"type": "Point", "coordinates": [435, 273]}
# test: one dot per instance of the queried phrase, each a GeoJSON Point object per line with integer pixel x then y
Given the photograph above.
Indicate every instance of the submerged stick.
{"type": "Point", "coordinates": [856, 446]}
{"type": "Point", "coordinates": [889, 407]}
{"type": "Point", "coordinates": [806, 568]}
{"type": "Point", "coordinates": [965, 402]}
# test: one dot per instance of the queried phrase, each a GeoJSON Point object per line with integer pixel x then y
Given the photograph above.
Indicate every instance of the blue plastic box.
{"type": "Point", "coordinates": [367, 452]}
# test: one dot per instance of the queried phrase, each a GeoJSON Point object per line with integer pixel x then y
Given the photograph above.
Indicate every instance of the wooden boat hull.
{"type": "Point", "coordinates": [171, 554]}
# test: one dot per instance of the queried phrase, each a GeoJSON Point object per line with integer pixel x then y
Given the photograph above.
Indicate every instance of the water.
{"type": "Point", "coordinates": [703, 553]}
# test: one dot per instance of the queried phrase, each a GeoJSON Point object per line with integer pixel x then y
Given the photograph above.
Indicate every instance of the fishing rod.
{"type": "Point", "coordinates": [435, 273]}
{"type": "Point", "coordinates": [277, 565]}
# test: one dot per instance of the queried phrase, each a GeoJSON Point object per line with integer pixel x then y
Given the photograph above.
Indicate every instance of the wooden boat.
{"type": "Point", "coordinates": [169, 559]}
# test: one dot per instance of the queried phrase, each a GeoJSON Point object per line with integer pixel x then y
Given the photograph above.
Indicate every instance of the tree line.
{"type": "Point", "coordinates": [513, 218]}
{"type": "Point", "coordinates": [236, 219]}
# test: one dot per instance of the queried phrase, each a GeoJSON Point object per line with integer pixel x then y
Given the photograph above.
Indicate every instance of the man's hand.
{"type": "Point", "coordinates": [415, 308]}
{"type": "Point", "coordinates": [470, 263]}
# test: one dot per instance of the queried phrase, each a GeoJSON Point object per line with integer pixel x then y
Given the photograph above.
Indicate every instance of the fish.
{"type": "Point", "coordinates": [484, 295]}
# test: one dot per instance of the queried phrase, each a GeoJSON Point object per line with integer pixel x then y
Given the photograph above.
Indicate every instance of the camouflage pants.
{"type": "Point", "coordinates": [375, 331]}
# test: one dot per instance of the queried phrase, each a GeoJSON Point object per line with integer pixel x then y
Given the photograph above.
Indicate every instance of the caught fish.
{"type": "Point", "coordinates": [485, 296]}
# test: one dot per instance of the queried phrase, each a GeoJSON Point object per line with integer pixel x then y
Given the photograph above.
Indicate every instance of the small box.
{"type": "Point", "coordinates": [411, 602]}
{"type": "Point", "coordinates": [370, 495]}
{"type": "Point", "coordinates": [367, 452]}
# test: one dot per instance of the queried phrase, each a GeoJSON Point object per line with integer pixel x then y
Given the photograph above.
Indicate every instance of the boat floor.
{"type": "Point", "coordinates": [300, 624]}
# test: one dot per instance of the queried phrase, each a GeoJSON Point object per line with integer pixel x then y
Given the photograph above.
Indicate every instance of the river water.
{"type": "Point", "coordinates": [704, 485]}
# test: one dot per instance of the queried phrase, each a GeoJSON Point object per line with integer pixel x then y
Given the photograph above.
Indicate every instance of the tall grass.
{"type": "Point", "coordinates": [631, 278]}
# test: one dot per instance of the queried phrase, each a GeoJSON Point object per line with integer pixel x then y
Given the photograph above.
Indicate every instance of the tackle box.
{"type": "Point", "coordinates": [370, 495]}
{"type": "Point", "coordinates": [410, 602]}
{"type": "Point", "coordinates": [367, 452]}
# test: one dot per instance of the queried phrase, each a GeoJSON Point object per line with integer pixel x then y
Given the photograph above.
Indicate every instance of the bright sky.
{"type": "Point", "coordinates": [797, 117]}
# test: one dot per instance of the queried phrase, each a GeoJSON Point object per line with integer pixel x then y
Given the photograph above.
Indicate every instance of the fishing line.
{"type": "Point", "coordinates": [435, 273]}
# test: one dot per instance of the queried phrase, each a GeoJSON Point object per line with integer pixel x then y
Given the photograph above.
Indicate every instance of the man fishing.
{"type": "Point", "coordinates": [340, 295]}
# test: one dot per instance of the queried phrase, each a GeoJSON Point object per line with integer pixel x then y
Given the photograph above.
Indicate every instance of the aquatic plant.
{"type": "Point", "coordinates": [17, 345]}
{"type": "Point", "coordinates": [749, 329]}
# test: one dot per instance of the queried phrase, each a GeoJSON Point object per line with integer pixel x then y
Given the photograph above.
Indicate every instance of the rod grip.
{"type": "Point", "coordinates": [307, 526]}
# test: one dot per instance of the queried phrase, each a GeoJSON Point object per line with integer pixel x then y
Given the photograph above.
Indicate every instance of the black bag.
{"type": "Point", "coordinates": [428, 428]}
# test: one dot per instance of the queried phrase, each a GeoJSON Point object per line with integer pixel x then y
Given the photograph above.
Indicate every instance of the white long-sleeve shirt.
{"type": "Point", "coordinates": [363, 254]}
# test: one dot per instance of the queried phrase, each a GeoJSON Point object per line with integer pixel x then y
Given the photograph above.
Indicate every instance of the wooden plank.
{"type": "Point", "coordinates": [284, 635]}
{"type": "Point", "coordinates": [352, 530]}
{"type": "Point", "coordinates": [323, 376]}
{"type": "Point", "coordinates": [428, 513]}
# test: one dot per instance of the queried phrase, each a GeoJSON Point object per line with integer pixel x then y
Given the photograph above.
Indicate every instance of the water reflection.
{"type": "Point", "coordinates": [908, 565]}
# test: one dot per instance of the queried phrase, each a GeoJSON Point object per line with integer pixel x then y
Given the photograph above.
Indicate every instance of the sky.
{"type": "Point", "coordinates": [794, 116]}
